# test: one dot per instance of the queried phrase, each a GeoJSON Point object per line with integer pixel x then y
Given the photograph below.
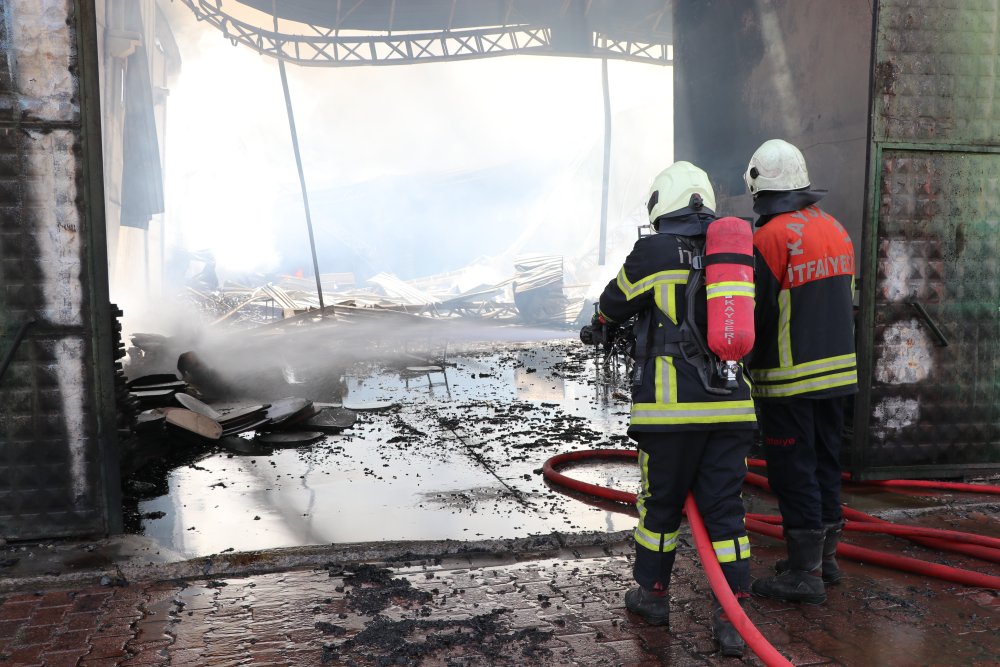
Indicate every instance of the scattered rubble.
{"type": "Point", "coordinates": [371, 590]}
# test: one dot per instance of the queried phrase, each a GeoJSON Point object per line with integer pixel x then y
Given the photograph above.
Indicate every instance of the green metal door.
{"type": "Point", "coordinates": [930, 307]}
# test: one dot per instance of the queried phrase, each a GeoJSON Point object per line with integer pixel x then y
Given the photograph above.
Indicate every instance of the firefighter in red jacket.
{"type": "Point", "coordinates": [803, 365]}
{"type": "Point", "coordinates": [691, 437]}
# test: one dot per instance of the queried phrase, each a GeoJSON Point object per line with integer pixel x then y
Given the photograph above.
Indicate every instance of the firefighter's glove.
{"type": "Point", "coordinates": [594, 333]}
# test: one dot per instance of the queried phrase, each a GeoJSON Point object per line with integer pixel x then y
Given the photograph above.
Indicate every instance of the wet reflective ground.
{"type": "Point", "coordinates": [456, 455]}
{"type": "Point", "coordinates": [446, 455]}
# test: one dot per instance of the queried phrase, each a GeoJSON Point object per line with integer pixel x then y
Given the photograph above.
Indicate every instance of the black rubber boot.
{"type": "Point", "coordinates": [653, 608]}
{"type": "Point", "coordinates": [832, 573]}
{"type": "Point", "coordinates": [801, 582]}
{"type": "Point", "coordinates": [726, 636]}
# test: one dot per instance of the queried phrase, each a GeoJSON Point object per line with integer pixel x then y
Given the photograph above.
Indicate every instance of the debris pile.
{"type": "Point", "coordinates": [536, 293]}
{"type": "Point", "coordinates": [172, 412]}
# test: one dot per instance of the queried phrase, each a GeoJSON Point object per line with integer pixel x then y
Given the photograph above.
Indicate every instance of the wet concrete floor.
{"type": "Point", "coordinates": [456, 455]}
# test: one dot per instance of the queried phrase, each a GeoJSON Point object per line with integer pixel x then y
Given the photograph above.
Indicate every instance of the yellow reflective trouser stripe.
{"type": "Point", "coordinates": [803, 386]}
{"type": "Point", "coordinates": [730, 551]}
{"type": "Point", "coordinates": [653, 541]}
{"type": "Point", "coordinates": [680, 413]}
{"type": "Point", "coordinates": [650, 540]}
{"type": "Point", "coordinates": [731, 288]}
{"type": "Point", "coordinates": [632, 290]}
{"type": "Point", "coordinates": [784, 328]}
{"type": "Point", "coordinates": [640, 499]}
{"type": "Point", "coordinates": [806, 368]}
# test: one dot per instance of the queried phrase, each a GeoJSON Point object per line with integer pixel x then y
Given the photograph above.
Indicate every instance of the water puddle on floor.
{"type": "Point", "coordinates": [447, 454]}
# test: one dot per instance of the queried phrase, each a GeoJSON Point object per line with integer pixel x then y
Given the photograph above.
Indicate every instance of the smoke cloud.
{"type": "Point", "coordinates": [412, 170]}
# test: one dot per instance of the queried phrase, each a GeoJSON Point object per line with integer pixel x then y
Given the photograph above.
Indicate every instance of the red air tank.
{"type": "Point", "coordinates": [729, 287]}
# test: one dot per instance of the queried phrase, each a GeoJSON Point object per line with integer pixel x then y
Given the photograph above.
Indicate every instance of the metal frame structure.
{"type": "Point", "coordinates": [102, 319]}
{"type": "Point", "coordinates": [328, 47]}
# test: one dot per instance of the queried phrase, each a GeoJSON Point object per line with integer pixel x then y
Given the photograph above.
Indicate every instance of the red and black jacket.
{"type": "Point", "coordinates": [804, 312]}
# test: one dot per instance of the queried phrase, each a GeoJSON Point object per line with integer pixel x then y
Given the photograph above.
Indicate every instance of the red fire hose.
{"type": "Point", "coordinates": [913, 534]}
{"type": "Point", "coordinates": [734, 612]}
{"type": "Point", "coordinates": [908, 483]}
{"type": "Point", "coordinates": [975, 545]}
{"type": "Point", "coordinates": [930, 484]}
{"type": "Point", "coordinates": [979, 546]}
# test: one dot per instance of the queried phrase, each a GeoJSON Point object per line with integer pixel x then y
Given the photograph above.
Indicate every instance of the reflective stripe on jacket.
{"type": "Point", "coordinates": [670, 396]}
{"type": "Point", "coordinates": [804, 312]}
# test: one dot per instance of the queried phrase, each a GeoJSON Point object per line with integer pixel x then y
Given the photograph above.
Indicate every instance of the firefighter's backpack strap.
{"type": "Point", "coordinates": [694, 347]}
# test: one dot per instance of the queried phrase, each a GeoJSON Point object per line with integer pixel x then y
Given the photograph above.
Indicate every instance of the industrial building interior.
{"type": "Point", "coordinates": [292, 281]}
{"type": "Point", "coordinates": [386, 184]}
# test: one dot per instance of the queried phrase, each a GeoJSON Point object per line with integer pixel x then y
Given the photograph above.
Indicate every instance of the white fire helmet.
{"type": "Point", "coordinates": [676, 187]}
{"type": "Point", "coordinates": [776, 165]}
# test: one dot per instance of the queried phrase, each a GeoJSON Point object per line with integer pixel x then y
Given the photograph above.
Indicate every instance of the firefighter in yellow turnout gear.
{"type": "Point", "coordinates": [692, 436]}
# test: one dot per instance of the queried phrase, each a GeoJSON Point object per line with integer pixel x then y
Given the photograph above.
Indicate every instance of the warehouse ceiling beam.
{"type": "Point", "coordinates": [325, 47]}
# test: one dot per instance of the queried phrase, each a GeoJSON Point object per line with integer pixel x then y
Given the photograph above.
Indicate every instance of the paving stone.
{"type": "Point", "coordinates": [270, 619]}
{"type": "Point", "coordinates": [48, 615]}
{"type": "Point", "coordinates": [91, 601]}
{"type": "Point", "coordinates": [32, 635]}
{"type": "Point", "coordinates": [611, 631]}
{"type": "Point", "coordinates": [99, 662]}
{"type": "Point", "coordinates": [25, 655]}
{"type": "Point", "coordinates": [63, 658]}
{"type": "Point", "coordinates": [57, 598]}
{"type": "Point", "coordinates": [802, 654]}
{"type": "Point", "coordinates": [17, 610]}
{"type": "Point", "coordinates": [107, 646]}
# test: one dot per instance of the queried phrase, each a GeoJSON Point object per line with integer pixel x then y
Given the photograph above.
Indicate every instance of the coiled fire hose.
{"type": "Point", "coordinates": [975, 545]}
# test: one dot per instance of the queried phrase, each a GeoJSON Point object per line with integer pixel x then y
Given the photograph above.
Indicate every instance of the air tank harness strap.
{"type": "Point", "coordinates": [655, 336]}
{"type": "Point", "coordinates": [696, 351]}
{"type": "Point", "coordinates": [726, 258]}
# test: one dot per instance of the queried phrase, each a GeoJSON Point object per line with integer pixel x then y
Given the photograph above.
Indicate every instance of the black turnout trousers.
{"type": "Point", "coordinates": [802, 438]}
{"type": "Point", "coordinates": [712, 466]}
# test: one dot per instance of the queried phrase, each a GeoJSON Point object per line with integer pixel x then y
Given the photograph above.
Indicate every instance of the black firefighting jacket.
{"type": "Point", "coordinates": [668, 394]}
{"type": "Point", "coordinates": [804, 311]}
